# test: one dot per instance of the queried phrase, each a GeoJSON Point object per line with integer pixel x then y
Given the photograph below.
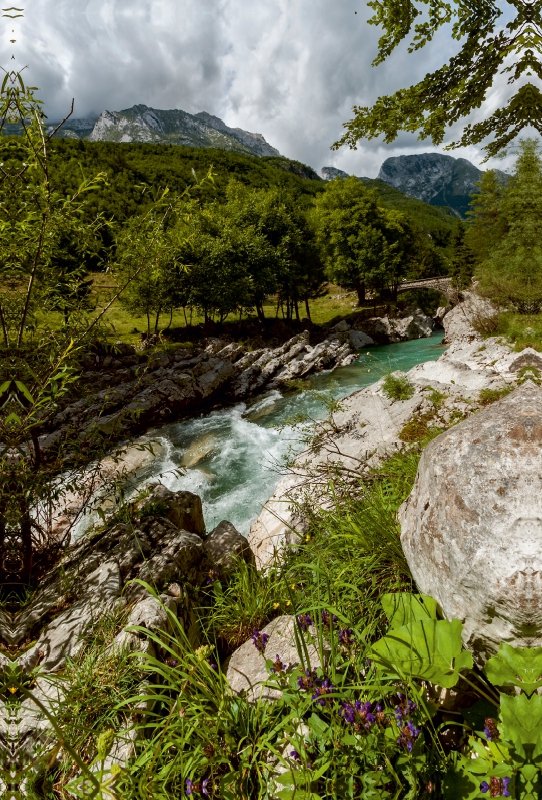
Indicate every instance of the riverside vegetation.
{"type": "Point", "coordinates": [382, 700]}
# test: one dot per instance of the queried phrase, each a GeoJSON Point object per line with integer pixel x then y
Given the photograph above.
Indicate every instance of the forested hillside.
{"type": "Point", "coordinates": [130, 165]}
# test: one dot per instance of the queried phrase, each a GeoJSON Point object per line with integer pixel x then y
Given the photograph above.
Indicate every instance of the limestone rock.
{"type": "Point", "coordinates": [386, 330]}
{"type": "Point", "coordinates": [472, 526]}
{"type": "Point", "coordinates": [225, 545]}
{"type": "Point", "coordinates": [464, 323]}
{"type": "Point", "coordinates": [359, 340]}
{"type": "Point", "coordinates": [183, 509]}
{"type": "Point", "coordinates": [246, 668]}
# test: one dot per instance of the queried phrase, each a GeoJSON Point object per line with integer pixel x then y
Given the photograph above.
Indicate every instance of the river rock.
{"type": "Point", "coordinates": [225, 545]}
{"type": "Point", "coordinates": [246, 671]}
{"type": "Point", "coordinates": [472, 526]}
{"type": "Point", "coordinates": [359, 340]}
{"type": "Point", "coordinates": [467, 321]}
{"type": "Point", "coordinates": [386, 330]}
{"type": "Point", "coordinates": [183, 509]}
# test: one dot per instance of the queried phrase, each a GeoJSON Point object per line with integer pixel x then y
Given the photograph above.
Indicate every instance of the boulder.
{"type": "Point", "coordinates": [359, 340]}
{"type": "Point", "coordinates": [225, 545]}
{"type": "Point", "coordinates": [183, 509]}
{"type": "Point", "coordinates": [467, 321]}
{"type": "Point", "coordinates": [246, 668]}
{"type": "Point", "coordinates": [472, 526]}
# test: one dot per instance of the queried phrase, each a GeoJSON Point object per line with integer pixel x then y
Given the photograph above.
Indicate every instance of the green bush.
{"type": "Point", "coordinates": [488, 396]}
{"type": "Point", "coordinates": [396, 386]}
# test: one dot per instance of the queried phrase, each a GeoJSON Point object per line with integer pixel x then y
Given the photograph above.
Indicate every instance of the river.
{"type": "Point", "coordinates": [231, 457]}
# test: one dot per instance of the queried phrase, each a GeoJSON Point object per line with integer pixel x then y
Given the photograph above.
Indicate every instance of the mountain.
{"type": "Point", "coordinates": [431, 177]}
{"type": "Point", "coordinates": [330, 173]}
{"type": "Point", "coordinates": [434, 178]}
{"type": "Point", "coordinates": [143, 124]}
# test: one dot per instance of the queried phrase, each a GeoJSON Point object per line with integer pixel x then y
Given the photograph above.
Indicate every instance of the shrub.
{"type": "Point", "coordinates": [396, 386]}
{"type": "Point", "coordinates": [488, 396]}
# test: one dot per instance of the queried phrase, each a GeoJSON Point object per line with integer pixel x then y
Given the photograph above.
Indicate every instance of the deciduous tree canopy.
{"type": "Point", "coordinates": [489, 47]}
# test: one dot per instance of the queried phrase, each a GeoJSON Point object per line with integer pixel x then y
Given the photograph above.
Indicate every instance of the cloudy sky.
{"type": "Point", "coordinates": [289, 69]}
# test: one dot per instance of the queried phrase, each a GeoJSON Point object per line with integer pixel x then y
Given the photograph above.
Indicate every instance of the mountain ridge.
{"type": "Point", "coordinates": [434, 178]}
{"type": "Point", "coordinates": [141, 123]}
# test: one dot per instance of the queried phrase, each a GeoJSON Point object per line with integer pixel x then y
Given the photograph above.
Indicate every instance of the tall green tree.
{"type": "Point", "coordinates": [511, 274]}
{"type": "Point", "coordinates": [362, 242]}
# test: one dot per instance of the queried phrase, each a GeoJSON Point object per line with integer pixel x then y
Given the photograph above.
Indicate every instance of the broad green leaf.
{"type": "Point", "coordinates": [404, 607]}
{"type": "Point", "coordinates": [516, 666]}
{"type": "Point", "coordinates": [521, 718]}
{"type": "Point", "coordinates": [427, 649]}
{"type": "Point", "coordinates": [22, 388]}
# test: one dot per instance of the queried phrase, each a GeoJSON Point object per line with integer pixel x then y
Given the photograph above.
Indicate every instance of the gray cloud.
{"type": "Point", "coordinates": [290, 69]}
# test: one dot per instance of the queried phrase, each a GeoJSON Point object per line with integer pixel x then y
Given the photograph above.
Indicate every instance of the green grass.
{"type": "Point", "coordinates": [520, 330]}
{"type": "Point", "coordinates": [396, 386]}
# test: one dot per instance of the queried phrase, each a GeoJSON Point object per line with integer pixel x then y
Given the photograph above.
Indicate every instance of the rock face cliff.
{"type": "Point", "coordinates": [143, 124]}
{"type": "Point", "coordinates": [434, 178]}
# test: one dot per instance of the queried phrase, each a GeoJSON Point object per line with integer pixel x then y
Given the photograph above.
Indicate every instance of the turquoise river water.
{"type": "Point", "coordinates": [230, 457]}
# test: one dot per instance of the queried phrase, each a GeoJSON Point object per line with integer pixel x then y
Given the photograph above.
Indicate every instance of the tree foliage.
{"type": "Point", "coordinates": [488, 47]}
{"type": "Point", "coordinates": [511, 268]}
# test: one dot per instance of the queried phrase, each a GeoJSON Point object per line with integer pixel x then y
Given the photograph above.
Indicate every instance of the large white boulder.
{"type": "Point", "coordinates": [472, 526]}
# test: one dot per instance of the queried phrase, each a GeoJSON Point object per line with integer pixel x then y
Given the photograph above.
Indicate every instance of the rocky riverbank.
{"type": "Point", "coordinates": [371, 424]}
{"type": "Point", "coordinates": [130, 392]}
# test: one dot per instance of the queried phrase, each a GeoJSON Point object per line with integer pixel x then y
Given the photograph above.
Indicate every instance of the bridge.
{"type": "Point", "coordinates": [442, 284]}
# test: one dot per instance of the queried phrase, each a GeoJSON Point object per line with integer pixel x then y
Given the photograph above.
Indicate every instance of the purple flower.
{"type": "Point", "coordinates": [490, 729]}
{"type": "Point", "coordinates": [346, 637]}
{"type": "Point", "coordinates": [260, 640]}
{"type": "Point", "coordinates": [188, 787]}
{"type": "Point", "coordinates": [505, 789]}
{"type": "Point", "coordinates": [328, 619]}
{"type": "Point", "coordinates": [309, 681]}
{"type": "Point", "coordinates": [358, 714]}
{"type": "Point", "coordinates": [409, 734]}
{"type": "Point", "coordinates": [325, 688]}
{"type": "Point", "coordinates": [484, 787]}
{"type": "Point", "coordinates": [204, 787]}
{"type": "Point", "coordinates": [278, 667]}
{"type": "Point", "coordinates": [295, 755]}
{"type": "Point", "coordinates": [305, 621]}
{"type": "Point", "coordinates": [212, 576]}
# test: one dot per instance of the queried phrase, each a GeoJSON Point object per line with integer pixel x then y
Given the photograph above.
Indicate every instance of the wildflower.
{"type": "Point", "coordinates": [212, 576]}
{"type": "Point", "coordinates": [188, 787]}
{"type": "Point", "coordinates": [490, 729]}
{"type": "Point", "coordinates": [484, 787]}
{"type": "Point", "coordinates": [404, 708]}
{"type": "Point", "coordinates": [275, 606]}
{"type": "Point", "coordinates": [288, 603]}
{"type": "Point", "coordinates": [204, 787]}
{"type": "Point", "coordinates": [260, 640]}
{"type": "Point", "coordinates": [309, 681]}
{"type": "Point", "coordinates": [325, 688]}
{"type": "Point", "coordinates": [211, 664]}
{"type": "Point", "coordinates": [305, 621]}
{"type": "Point", "coordinates": [346, 637]}
{"type": "Point", "coordinates": [293, 586]}
{"type": "Point", "coordinates": [409, 734]}
{"type": "Point", "coordinates": [359, 715]}
{"type": "Point", "coordinates": [328, 619]}
{"type": "Point", "coordinates": [295, 755]}
{"type": "Point", "coordinates": [172, 662]}
{"type": "Point", "coordinates": [278, 666]}
{"type": "Point", "coordinates": [505, 790]}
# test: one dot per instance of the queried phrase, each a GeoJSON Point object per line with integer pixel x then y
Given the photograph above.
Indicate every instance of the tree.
{"type": "Point", "coordinates": [489, 47]}
{"type": "Point", "coordinates": [511, 274]}
{"type": "Point", "coordinates": [463, 260]}
{"type": "Point", "coordinates": [362, 241]}
{"type": "Point", "coordinates": [40, 359]}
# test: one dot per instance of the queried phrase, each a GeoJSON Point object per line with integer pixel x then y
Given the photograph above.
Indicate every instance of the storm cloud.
{"type": "Point", "coordinates": [289, 69]}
